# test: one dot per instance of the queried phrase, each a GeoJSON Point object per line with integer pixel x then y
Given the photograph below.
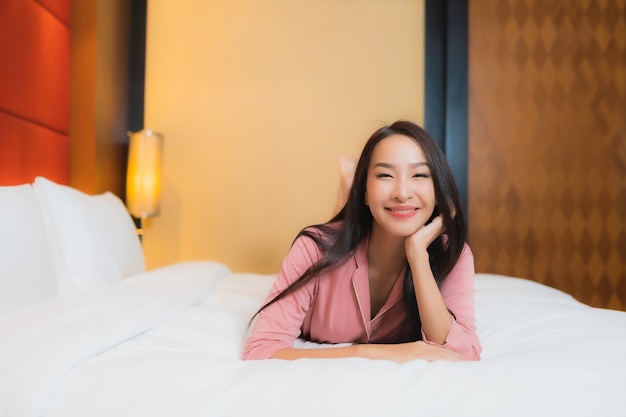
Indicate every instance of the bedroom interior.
{"type": "Point", "coordinates": [242, 90]}
{"type": "Point", "coordinates": [546, 157]}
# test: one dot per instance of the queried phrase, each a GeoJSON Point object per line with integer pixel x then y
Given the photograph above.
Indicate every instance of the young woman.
{"type": "Point", "coordinates": [390, 275]}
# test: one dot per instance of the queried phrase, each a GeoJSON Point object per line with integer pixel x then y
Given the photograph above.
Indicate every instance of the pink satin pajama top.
{"type": "Point", "coordinates": [335, 307]}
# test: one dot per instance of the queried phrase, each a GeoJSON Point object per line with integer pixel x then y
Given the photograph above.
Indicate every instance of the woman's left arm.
{"type": "Point", "coordinates": [457, 292]}
{"type": "Point", "coordinates": [439, 327]}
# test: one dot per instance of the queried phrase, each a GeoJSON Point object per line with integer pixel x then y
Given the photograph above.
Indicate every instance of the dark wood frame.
{"type": "Point", "coordinates": [137, 64]}
{"type": "Point", "coordinates": [446, 83]}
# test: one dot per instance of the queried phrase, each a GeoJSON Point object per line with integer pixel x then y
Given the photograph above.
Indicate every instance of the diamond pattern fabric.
{"type": "Point", "coordinates": [547, 144]}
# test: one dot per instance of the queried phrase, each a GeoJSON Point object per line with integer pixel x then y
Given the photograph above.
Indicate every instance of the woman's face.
{"type": "Point", "coordinates": [400, 191]}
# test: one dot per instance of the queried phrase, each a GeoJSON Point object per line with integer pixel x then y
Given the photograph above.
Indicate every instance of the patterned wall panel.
{"type": "Point", "coordinates": [547, 143]}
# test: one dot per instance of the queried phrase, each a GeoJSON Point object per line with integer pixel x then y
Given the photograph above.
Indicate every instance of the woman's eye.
{"type": "Point", "coordinates": [421, 175]}
{"type": "Point", "coordinates": [383, 175]}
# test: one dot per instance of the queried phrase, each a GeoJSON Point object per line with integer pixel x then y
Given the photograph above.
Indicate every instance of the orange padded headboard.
{"type": "Point", "coordinates": [35, 56]}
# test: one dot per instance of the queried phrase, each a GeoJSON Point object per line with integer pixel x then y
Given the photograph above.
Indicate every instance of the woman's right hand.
{"type": "Point", "coordinates": [405, 352]}
{"type": "Point", "coordinates": [401, 352]}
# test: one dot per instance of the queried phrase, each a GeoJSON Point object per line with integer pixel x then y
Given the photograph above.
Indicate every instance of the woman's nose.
{"type": "Point", "coordinates": [400, 190]}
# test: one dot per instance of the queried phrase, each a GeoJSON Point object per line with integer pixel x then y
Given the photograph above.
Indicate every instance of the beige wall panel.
{"type": "Point", "coordinates": [256, 99]}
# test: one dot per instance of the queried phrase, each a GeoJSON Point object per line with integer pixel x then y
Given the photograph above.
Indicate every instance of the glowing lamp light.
{"type": "Point", "coordinates": [143, 179]}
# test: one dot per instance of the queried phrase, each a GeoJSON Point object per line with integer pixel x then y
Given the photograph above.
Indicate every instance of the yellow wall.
{"type": "Point", "coordinates": [256, 99]}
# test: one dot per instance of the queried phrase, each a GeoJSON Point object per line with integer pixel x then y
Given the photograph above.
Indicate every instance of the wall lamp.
{"type": "Point", "coordinates": [143, 178]}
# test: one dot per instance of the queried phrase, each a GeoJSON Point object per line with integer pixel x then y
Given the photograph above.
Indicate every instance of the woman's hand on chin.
{"type": "Point", "coordinates": [424, 236]}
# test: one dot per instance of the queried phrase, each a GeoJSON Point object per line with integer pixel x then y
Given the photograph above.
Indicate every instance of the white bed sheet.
{"type": "Point", "coordinates": [544, 354]}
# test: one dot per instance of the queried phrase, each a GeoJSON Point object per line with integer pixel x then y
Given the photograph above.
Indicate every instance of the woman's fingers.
{"type": "Point", "coordinates": [425, 235]}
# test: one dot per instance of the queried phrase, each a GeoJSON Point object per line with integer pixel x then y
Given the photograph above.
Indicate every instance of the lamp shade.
{"type": "Point", "coordinates": [143, 179]}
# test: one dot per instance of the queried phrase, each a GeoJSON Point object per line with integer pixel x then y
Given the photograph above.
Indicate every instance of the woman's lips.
{"type": "Point", "coordinates": [402, 212]}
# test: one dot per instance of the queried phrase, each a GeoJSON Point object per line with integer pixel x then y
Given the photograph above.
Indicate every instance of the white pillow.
{"type": "Point", "coordinates": [26, 268]}
{"type": "Point", "coordinates": [93, 238]}
{"type": "Point", "coordinates": [118, 233]}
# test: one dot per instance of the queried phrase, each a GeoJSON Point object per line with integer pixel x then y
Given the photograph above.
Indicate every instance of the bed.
{"type": "Point", "coordinates": [168, 341]}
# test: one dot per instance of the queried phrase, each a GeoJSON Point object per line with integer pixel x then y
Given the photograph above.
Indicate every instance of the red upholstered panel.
{"type": "Point", "coordinates": [62, 9]}
{"type": "Point", "coordinates": [35, 72]}
{"type": "Point", "coordinates": [35, 64]}
{"type": "Point", "coordinates": [28, 150]}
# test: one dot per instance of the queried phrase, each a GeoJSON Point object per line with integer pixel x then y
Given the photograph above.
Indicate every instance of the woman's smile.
{"type": "Point", "coordinates": [402, 212]}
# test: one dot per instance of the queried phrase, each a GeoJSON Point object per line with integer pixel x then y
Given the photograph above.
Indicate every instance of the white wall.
{"type": "Point", "coordinates": [256, 99]}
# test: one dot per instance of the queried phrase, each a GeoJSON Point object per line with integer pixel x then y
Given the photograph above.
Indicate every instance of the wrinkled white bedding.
{"type": "Point", "coordinates": [170, 345]}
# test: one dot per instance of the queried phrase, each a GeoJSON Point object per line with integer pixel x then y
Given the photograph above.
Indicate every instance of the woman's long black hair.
{"type": "Point", "coordinates": [339, 237]}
